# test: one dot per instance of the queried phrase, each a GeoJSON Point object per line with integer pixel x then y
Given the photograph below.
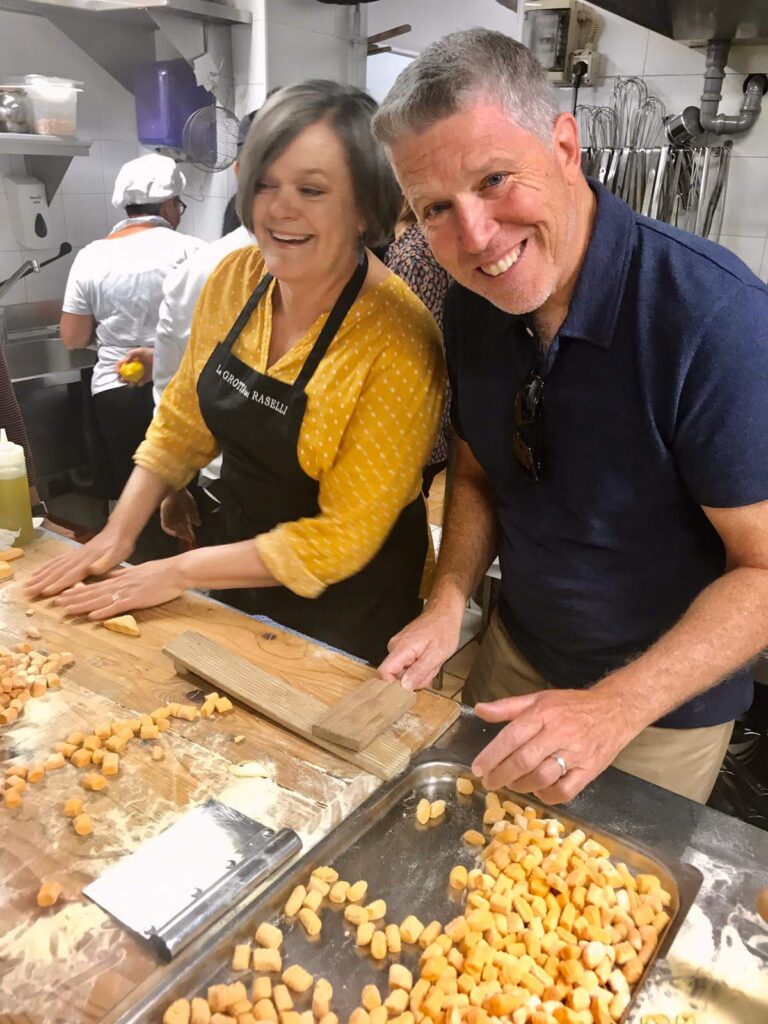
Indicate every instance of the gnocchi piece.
{"type": "Point", "coordinates": [73, 807]}
{"type": "Point", "coordinates": [49, 893]}
{"type": "Point", "coordinates": [94, 781]}
{"type": "Point", "coordinates": [269, 936]}
{"type": "Point", "coordinates": [423, 809]}
{"type": "Point", "coordinates": [436, 809]}
{"type": "Point", "coordinates": [458, 877]}
{"type": "Point", "coordinates": [267, 959]}
{"type": "Point", "coordinates": [282, 998]}
{"type": "Point", "coordinates": [295, 901]}
{"type": "Point", "coordinates": [365, 933]}
{"type": "Point", "coordinates": [12, 798]}
{"type": "Point", "coordinates": [400, 977]}
{"type": "Point", "coordinates": [178, 1012]}
{"type": "Point", "coordinates": [81, 758]}
{"type": "Point", "coordinates": [370, 998]}
{"type": "Point", "coordinates": [338, 892]}
{"type": "Point", "coordinates": [355, 914]}
{"type": "Point", "coordinates": [297, 979]}
{"type": "Point", "coordinates": [357, 892]}
{"type": "Point", "coordinates": [313, 899]}
{"type": "Point", "coordinates": [111, 763]}
{"type": "Point", "coordinates": [411, 929]}
{"type": "Point", "coordinates": [201, 1012]}
{"type": "Point", "coordinates": [394, 942]}
{"type": "Point", "coordinates": [310, 922]}
{"type": "Point", "coordinates": [123, 624]}
{"type": "Point", "coordinates": [241, 958]}
{"type": "Point", "coordinates": [321, 998]}
{"type": "Point", "coordinates": [83, 825]}
{"type": "Point", "coordinates": [378, 945]}
{"type": "Point", "coordinates": [473, 837]}
{"type": "Point", "coordinates": [262, 989]}
{"type": "Point", "coordinates": [376, 910]}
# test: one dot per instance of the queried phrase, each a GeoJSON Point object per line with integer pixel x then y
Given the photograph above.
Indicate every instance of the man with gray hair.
{"type": "Point", "coordinates": [608, 377]}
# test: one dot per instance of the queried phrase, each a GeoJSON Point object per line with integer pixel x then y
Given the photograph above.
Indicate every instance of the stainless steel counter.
{"type": "Point", "coordinates": [45, 361]}
{"type": "Point", "coordinates": [717, 966]}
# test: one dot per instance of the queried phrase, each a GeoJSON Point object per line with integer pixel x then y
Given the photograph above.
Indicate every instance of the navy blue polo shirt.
{"type": "Point", "coordinates": [655, 403]}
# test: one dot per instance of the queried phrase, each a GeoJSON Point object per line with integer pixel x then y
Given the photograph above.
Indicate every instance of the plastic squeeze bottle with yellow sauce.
{"type": "Point", "coordinates": [15, 509]}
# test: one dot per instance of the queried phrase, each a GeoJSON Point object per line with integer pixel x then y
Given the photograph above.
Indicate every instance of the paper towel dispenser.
{"type": "Point", "coordinates": [28, 212]}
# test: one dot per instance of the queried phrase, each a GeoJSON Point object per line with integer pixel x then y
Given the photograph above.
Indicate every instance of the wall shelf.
{"type": "Point", "coordinates": [46, 157]}
{"type": "Point", "coordinates": [42, 145]}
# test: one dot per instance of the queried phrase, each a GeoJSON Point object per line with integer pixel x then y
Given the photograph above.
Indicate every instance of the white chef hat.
{"type": "Point", "coordinates": [148, 179]}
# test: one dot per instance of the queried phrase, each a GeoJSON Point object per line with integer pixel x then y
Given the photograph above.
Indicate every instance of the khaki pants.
{"type": "Point", "coordinates": [685, 761]}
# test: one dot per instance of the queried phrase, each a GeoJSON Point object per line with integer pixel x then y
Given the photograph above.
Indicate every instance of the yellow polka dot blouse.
{"type": "Point", "coordinates": [373, 408]}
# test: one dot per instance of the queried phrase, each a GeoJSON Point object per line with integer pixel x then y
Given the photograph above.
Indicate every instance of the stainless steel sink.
{"type": "Point", "coordinates": [44, 359]}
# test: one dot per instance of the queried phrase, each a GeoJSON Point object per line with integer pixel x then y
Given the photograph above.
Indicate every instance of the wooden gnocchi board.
{"type": "Point", "coordinates": [71, 964]}
{"type": "Point", "coordinates": [384, 755]}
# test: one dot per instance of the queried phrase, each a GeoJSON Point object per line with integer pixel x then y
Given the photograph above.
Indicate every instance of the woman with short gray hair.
{"type": "Point", "coordinates": [324, 398]}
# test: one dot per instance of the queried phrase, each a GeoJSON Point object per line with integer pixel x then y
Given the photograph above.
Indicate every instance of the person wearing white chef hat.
{"type": "Point", "coordinates": [113, 296]}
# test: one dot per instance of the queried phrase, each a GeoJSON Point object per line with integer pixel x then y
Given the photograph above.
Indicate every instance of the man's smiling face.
{"type": "Point", "coordinates": [494, 201]}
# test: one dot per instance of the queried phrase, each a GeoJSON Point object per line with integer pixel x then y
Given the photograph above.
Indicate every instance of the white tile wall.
{"type": "Point", "coordinates": [82, 210]}
{"type": "Point", "coordinates": [672, 71]}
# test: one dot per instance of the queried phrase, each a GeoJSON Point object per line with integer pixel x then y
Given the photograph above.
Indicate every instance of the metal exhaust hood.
{"type": "Point", "coordinates": [696, 21]}
{"type": "Point", "coordinates": [119, 34]}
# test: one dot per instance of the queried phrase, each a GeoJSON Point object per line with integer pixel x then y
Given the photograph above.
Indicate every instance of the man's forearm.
{"type": "Point", "coordinates": [724, 628]}
{"type": "Point", "coordinates": [469, 543]}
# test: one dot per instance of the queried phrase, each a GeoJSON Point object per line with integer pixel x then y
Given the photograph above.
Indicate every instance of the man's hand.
{"type": "Point", "coordinates": [145, 356]}
{"type": "Point", "coordinates": [179, 516]}
{"type": "Point", "coordinates": [417, 652]}
{"type": "Point", "coordinates": [585, 728]}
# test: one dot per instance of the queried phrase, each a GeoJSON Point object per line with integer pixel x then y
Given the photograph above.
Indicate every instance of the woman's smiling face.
{"type": "Point", "coordinates": [305, 215]}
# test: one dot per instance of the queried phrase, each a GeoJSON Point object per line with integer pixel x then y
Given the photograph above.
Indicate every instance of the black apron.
{"type": "Point", "coordinates": [257, 420]}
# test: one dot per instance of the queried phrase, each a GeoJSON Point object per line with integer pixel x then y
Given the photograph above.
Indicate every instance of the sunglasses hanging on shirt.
{"type": "Point", "coordinates": [528, 439]}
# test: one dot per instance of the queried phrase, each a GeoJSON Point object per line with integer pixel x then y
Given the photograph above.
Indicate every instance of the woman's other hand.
{"type": "Point", "coordinates": [105, 551]}
{"type": "Point", "coordinates": [179, 516]}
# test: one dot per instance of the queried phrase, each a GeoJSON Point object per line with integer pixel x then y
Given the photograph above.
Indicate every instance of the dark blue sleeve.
{"type": "Point", "coordinates": [720, 442]}
{"type": "Point", "coordinates": [451, 334]}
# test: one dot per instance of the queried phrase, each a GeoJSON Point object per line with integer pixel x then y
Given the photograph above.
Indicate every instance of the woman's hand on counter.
{"type": "Point", "coordinates": [105, 551]}
{"type": "Point", "coordinates": [126, 590]}
{"type": "Point", "coordinates": [418, 652]}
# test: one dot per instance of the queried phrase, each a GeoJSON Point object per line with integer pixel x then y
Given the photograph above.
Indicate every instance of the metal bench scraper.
{"type": "Point", "coordinates": [178, 883]}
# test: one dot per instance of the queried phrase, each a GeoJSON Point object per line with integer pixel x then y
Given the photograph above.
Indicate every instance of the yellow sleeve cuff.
{"type": "Point", "coordinates": [285, 566]}
{"type": "Point", "coordinates": [163, 464]}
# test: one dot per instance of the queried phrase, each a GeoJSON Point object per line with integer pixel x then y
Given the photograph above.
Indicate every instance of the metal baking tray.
{"type": "Point", "coordinates": [405, 864]}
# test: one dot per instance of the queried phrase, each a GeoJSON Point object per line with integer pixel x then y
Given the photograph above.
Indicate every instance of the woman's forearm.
{"type": "Point", "coordinates": [141, 496]}
{"type": "Point", "coordinates": [225, 567]}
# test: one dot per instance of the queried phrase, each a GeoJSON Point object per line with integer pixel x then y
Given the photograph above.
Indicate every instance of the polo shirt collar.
{"type": "Point", "coordinates": [599, 290]}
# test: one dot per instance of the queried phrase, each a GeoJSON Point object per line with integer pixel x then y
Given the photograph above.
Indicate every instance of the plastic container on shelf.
{"type": "Point", "coordinates": [14, 109]}
{"type": "Point", "coordinates": [52, 104]}
{"type": "Point", "coordinates": [166, 94]}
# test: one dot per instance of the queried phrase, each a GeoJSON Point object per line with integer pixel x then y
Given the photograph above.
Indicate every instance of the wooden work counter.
{"type": "Point", "coordinates": [72, 964]}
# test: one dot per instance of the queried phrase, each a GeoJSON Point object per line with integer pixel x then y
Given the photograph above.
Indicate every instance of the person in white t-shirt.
{"type": "Point", "coordinates": [113, 297]}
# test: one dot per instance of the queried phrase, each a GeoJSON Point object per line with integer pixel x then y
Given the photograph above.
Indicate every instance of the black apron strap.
{"type": "Point", "coordinates": [245, 313]}
{"type": "Point", "coordinates": [331, 326]}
